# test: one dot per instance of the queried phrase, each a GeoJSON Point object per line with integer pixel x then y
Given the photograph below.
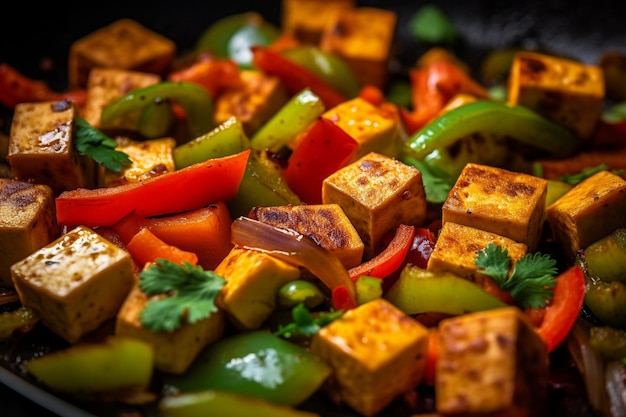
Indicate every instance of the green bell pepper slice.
{"type": "Point", "coordinates": [226, 139]}
{"type": "Point", "coordinates": [156, 120]}
{"type": "Point", "coordinates": [607, 301]}
{"type": "Point", "coordinates": [330, 68]}
{"type": "Point", "coordinates": [296, 115]}
{"type": "Point", "coordinates": [195, 101]}
{"type": "Point", "coordinates": [606, 258]}
{"type": "Point", "coordinates": [223, 404]}
{"type": "Point", "coordinates": [492, 117]}
{"type": "Point", "coordinates": [420, 291]}
{"type": "Point", "coordinates": [258, 364]}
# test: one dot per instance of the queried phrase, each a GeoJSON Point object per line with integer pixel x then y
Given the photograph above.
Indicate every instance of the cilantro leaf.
{"type": "Point", "coordinates": [437, 182]}
{"type": "Point", "coordinates": [530, 282]}
{"type": "Point", "coordinates": [91, 142]}
{"type": "Point", "coordinates": [189, 294]}
{"type": "Point", "coordinates": [586, 173]}
{"type": "Point", "coordinates": [304, 324]}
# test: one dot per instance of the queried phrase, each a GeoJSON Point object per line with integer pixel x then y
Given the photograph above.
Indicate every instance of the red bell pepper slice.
{"type": "Point", "coordinates": [563, 310]}
{"type": "Point", "coordinates": [213, 74]}
{"type": "Point", "coordinates": [16, 88]}
{"type": "Point", "coordinates": [295, 77]}
{"type": "Point", "coordinates": [189, 188]}
{"type": "Point", "coordinates": [146, 247]}
{"type": "Point", "coordinates": [390, 259]}
{"type": "Point", "coordinates": [324, 149]}
{"type": "Point", "coordinates": [341, 298]}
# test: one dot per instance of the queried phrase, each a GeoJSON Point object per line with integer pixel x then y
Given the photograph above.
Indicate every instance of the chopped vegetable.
{"type": "Point", "coordinates": [532, 277]}
{"type": "Point", "coordinates": [430, 24]}
{"type": "Point", "coordinates": [191, 293]}
{"type": "Point", "coordinates": [586, 173]}
{"type": "Point", "coordinates": [305, 324]}
{"type": "Point", "coordinates": [91, 142]}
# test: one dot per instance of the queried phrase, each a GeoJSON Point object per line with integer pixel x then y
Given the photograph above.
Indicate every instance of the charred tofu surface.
{"type": "Point", "coordinates": [252, 280]}
{"type": "Point", "coordinates": [326, 224]}
{"type": "Point", "coordinates": [373, 129]}
{"type": "Point", "coordinates": [591, 210]}
{"type": "Point", "coordinates": [567, 92]}
{"type": "Point", "coordinates": [376, 352]}
{"type": "Point", "coordinates": [458, 245]}
{"type": "Point", "coordinates": [124, 44]}
{"type": "Point", "coordinates": [75, 283]}
{"type": "Point", "coordinates": [41, 147]}
{"type": "Point", "coordinates": [496, 200]}
{"type": "Point", "coordinates": [377, 193]}
{"type": "Point", "coordinates": [104, 86]}
{"type": "Point", "coordinates": [491, 363]}
{"type": "Point", "coordinates": [306, 19]}
{"type": "Point", "coordinates": [363, 37]}
{"type": "Point", "coordinates": [254, 103]}
{"type": "Point", "coordinates": [27, 223]}
{"type": "Point", "coordinates": [173, 351]}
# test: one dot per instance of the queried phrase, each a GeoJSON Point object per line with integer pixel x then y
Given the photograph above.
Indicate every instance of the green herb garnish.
{"type": "Point", "coordinates": [91, 142]}
{"type": "Point", "coordinates": [586, 173]}
{"type": "Point", "coordinates": [304, 324]}
{"type": "Point", "coordinates": [431, 25]}
{"type": "Point", "coordinates": [190, 294]}
{"type": "Point", "coordinates": [437, 182]}
{"type": "Point", "coordinates": [531, 280]}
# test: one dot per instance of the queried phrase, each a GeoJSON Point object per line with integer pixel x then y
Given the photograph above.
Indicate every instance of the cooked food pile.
{"type": "Point", "coordinates": [278, 218]}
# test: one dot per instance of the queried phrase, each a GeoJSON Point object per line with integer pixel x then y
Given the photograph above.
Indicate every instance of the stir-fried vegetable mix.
{"type": "Point", "coordinates": [276, 218]}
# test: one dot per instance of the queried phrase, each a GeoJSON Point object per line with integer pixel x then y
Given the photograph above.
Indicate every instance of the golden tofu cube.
{"type": "Point", "coordinates": [457, 247]}
{"type": "Point", "coordinates": [258, 98]}
{"type": "Point", "coordinates": [124, 44]}
{"type": "Point", "coordinates": [41, 147]}
{"type": "Point", "coordinates": [326, 224]}
{"type": "Point", "coordinates": [510, 204]}
{"type": "Point", "coordinates": [567, 92]}
{"type": "Point", "coordinates": [377, 353]}
{"type": "Point", "coordinates": [173, 351]}
{"type": "Point", "coordinates": [377, 193]}
{"type": "Point", "coordinates": [305, 19]}
{"type": "Point", "coordinates": [591, 210]}
{"type": "Point", "coordinates": [252, 280]}
{"type": "Point", "coordinates": [149, 158]}
{"type": "Point", "coordinates": [27, 222]}
{"type": "Point", "coordinates": [104, 86]}
{"type": "Point", "coordinates": [75, 283]}
{"type": "Point", "coordinates": [363, 37]}
{"type": "Point", "coordinates": [373, 129]}
{"type": "Point", "coordinates": [491, 363]}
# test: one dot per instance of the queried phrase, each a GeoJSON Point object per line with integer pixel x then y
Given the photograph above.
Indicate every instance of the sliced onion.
{"type": "Point", "coordinates": [294, 248]}
{"type": "Point", "coordinates": [8, 296]}
{"type": "Point", "coordinates": [615, 376]}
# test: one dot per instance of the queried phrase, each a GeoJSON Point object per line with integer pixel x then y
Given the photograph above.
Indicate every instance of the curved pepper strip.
{"type": "Point", "coordinates": [492, 117]}
{"type": "Point", "coordinates": [390, 259]}
{"type": "Point", "coordinates": [195, 186]}
{"type": "Point", "coordinates": [295, 77]}
{"type": "Point", "coordinates": [562, 312]}
{"type": "Point", "coordinates": [191, 97]}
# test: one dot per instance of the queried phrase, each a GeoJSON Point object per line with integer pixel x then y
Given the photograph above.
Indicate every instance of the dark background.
{"type": "Point", "coordinates": [31, 36]}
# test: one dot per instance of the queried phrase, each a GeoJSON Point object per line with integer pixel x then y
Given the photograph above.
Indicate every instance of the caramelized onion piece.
{"type": "Point", "coordinates": [292, 247]}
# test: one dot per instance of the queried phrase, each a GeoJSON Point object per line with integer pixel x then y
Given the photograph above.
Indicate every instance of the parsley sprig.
{"type": "Point", "coordinates": [304, 324]}
{"type": "Point", "coordinates": [91, 142]}
{"type": "Point", "coordinates": [190, 294]}
{"type": "Point", "coordinates": [531, 280]}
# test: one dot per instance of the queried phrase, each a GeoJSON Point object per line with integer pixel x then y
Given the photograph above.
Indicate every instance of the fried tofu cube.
{"type": "Point", "coordinates": [591, 210]}
{"type": "Point", "coordinates": [373, 129]}
{"type": "Point", "coordinates": [149, 158]}
{"type": "Point", "coordinates": [491, 363]}
{"type": "Point", "coordinates": [510, 204]}
{"type": "Point", "coordinates": [27, 222]}
{"type": "Point", "coordinates": [104, 86]}
{"type": "Point", "coordinates": [258, 98]}
{"type": "Point", "coordinates": [75, 283]}
{"type": "Point", "coordinates": [306, 19]}
{"type": "Point", "coordinates": [567, 92]}
{"type": "Point", "coordinates": [363, 37]}
{"type": "Point", "coordinates": [457, 247]}
{"type": "Point", "coordinates": [252, 280]}
{"type": "Point", "coordinates": [124, 44]}
{"type": "Point", "coordinates": [41, 147]}
{"type": "Point", "coordinates": [173, 351]}
{"type": "Point", "coordinates": [326, 224]}
{"type": "Point", "coordinates": [377, 353]}
{"type": "Point", "coordinates": [377, 193]}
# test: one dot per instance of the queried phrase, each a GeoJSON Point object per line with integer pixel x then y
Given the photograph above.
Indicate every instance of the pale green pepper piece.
{"type": "Point", "coordinates": [156, 120]}
{"type": "Point", "coordinates": [226, 139]}
{"type": "Point", "coordinates": [368, 289]}
{"type": "Point", "coordinates": [296, 115]}
{"type": "Point", "coordinates": [299, 291]}
{"type": "Point", "coordinates": [606, 258]}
